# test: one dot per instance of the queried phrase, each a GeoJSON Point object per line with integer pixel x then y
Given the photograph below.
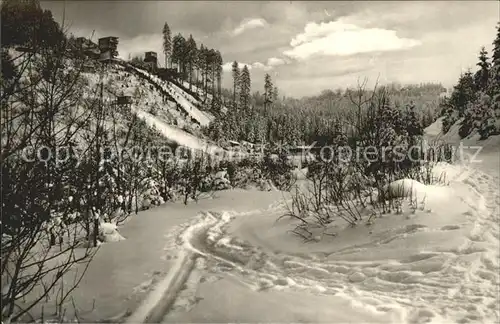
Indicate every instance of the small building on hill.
{"type": "Point", "coordinates": [87, 47]}
{"type": "Point", "coordinates": [151, 61]}
{"type": "Point", "coordinates": [150, 66]}
{"type": "Point", "coordinates": [108, 47]}
{"type": "Point", "coordinates": [151, 57]}
{"type": "Point", "coordinates": [105, 57]}
{"type": "Point", "coordinates": [124, 99]}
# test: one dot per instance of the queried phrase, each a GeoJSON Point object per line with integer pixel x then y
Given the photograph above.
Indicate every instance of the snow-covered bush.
{"type": "Point", "coordinates": [277, 170]}
{"type": "Point", "coordinates": [221, 180]}
{"type": "Point", "coordinates": [108, 232]}
{"type": "Point", "coordinates": [355, 188]}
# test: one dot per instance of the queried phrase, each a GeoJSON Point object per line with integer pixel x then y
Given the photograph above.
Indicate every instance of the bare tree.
{"type": "Point", "coordinates": [42, 118]}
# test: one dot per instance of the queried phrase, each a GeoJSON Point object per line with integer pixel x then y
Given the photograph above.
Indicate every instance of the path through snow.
{"type": "Point", "coordinates": [440, 264]}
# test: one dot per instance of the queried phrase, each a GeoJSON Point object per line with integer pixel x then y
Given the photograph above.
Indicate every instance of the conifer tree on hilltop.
{"type": "Point", "coordinates": [268, 91]}
{"type": "Point", "coordinates": [199, 61]}
{"type": "Point", "coordinates": [167, 45]}
{"type": "Point", "coordinates": [476, 97]}
{"type": "Point", "coordinates": [481, 77]}
{"type": "Point", "coordinates": [178, 52]}
{"type": "Point", "coordinates": [218, 72]}
{"type": "Point", "coordinates": [494, 75]}
{"type": "Point", "coordinates": [496, 48]}
{"type": "Point", "coordinates": [245, 87]}
{"type": "Point", "coordinates": [236, 78]}
{"type": "Point", "coordinates": [191, 62]}
{"type": "Point", "coordinates": [462, 95]}
{"type": "Point", "coordinates": [191, 56]}
{"type": "Point", "coordinates": [493, 89]}
{"type": "Point", "coordinates": [413, 125]}
{"type": "Point", "coordinates": [25, 23]}
{"type": "Point", "coordinates": [202, 62]}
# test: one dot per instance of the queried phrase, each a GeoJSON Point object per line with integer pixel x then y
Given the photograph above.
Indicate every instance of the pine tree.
{"type": "Point", "coordinates": [245, 87]}
{"type": "Point", "coordinates": [26, 23]}
{"type": "Point", "coordinates": [218, 71]}
{"type": "Point", "coordinates": [206, 70]}
{"type": "Point", "coordinates": [413, 125]}
{"type": "Point", "coordinates": [387, 121]}
{"type": "Point", "coordinates": [494, 82]}
{"type": "Point", "coordinates": [427, 118]}
{"type": "Point", "coordinates": [199, 63]}
{"type": "Point", "coordinates": [179, 52]}
{"type": "Point", "coordinates": [191, 54]}
{"type": "Point", "coordinates": [496, 48]}
{"type": "Point", "coordinates": [492, 125]}
{"type": "Point", "coordinates": [482, 75]}
{"type": "Point", "coordinates": [212, 55]}
{"type": "Point", "coordinates": [236, 80]}
{"type": "Point", "coordinates": [268, 91]}
{"type": "Point", "coordinates": [202, 65]}
{"type": "Point", "coordinates": [463, 93]}
{"type": "Point", "coordinates": [167, 44]}
{"type": "Point", "coordinates": [275, 94]}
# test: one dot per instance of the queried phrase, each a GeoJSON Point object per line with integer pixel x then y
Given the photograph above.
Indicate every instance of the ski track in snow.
{"type": "Point", "coordinates": [179, 95]}
{"type": "Point", "coordinates": [460, 285]}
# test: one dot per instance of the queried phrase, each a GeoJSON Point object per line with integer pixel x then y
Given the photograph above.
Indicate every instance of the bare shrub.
{"type": "Point", "coordinates": [353, 189]}
{"type": "Point", "coordinates": [41, 113]}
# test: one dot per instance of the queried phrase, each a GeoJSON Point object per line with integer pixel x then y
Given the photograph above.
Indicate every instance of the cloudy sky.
{"type": "Point", "coordinates": [305, 46]}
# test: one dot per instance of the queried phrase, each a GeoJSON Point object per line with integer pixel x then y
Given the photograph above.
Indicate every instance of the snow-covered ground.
{"type": "Point", "coordinates": [436, 263]}
{"type": "Point", "coordinates": [229, 260]}
{"type": "Point", "coordinates": [124, 274]}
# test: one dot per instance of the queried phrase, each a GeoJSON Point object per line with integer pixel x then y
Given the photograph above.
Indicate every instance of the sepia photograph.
{"type": "Point", "coordinates": [250, 161]}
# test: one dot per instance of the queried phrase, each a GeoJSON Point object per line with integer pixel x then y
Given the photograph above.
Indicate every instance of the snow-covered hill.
{"type": "Point", "coordinates": [185, 100]}
{"type": "Point", "coordinates": [434, 133]}
{"type": "Point", "coordinates": [152, 105]}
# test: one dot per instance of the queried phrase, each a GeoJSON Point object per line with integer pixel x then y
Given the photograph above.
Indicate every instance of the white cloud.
{"type": "Point", "coordinates": [261, 66]}
{"type": "Point", "coordinates": [227, 67]}
{"type": "Point", "coordinates": [249, 24]}
{"type": "Point", "coordinates": [138, 45]}
{"type": "Point", "coordinates": [343, 39]}
{"type": "Point", "coordinates": [274, 61]}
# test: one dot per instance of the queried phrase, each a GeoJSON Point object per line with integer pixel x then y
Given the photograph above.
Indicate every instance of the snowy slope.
{"type": "Point", "coordinates": [196, 89]}
{"type": "Point", "coordinates": [168, 87]}
{"type": "Point", "coordinates": [209, 96]}
{"type": "Point", "coordinates": [117, 80]}
{"type": "Point", "coordinates": [180, 92]}
{"type": "Point", "coordinates": [433, 132]}
{"type": "Point", "coordinates": [177, 135]}
{"type": "Point", "coordinates": [183, 93]}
